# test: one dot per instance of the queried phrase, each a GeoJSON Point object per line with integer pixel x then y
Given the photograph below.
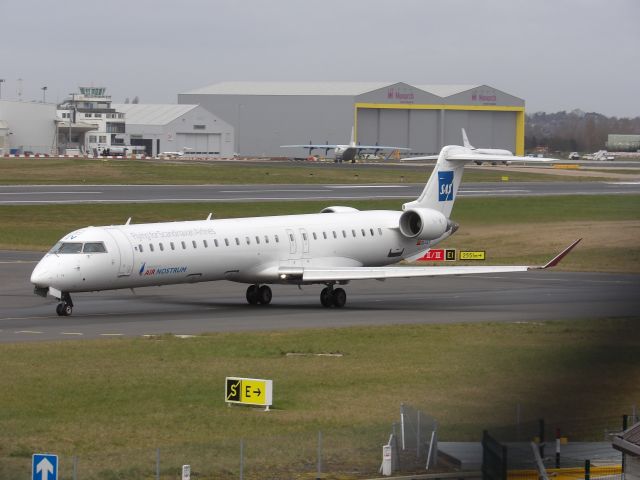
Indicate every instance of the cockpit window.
{"type": "Point", "coordinates": [94, 247]}
{"type": "Point", "coordinates": [69, 247]}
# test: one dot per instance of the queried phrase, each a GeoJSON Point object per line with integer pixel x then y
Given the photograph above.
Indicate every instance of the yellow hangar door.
{"type": "Point", "coordinates": [199, 143]}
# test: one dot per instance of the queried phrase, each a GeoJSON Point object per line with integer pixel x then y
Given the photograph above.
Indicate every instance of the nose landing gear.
{"type": "Point", "coordinates": [65, 307]}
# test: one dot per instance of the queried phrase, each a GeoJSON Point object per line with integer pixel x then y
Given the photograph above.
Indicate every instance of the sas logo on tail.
{"type": "Point", "coordinates": [445, 186]}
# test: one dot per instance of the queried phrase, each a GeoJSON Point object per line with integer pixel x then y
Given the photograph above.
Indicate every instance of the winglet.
{"type": "Point", "coordinates": [465, 140]}
{"type": "Point", "coordinates": [556, 260]}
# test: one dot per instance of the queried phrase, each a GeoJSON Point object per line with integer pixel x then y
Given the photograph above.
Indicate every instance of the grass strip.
{"type": "Point", "coordinates": [113, 402]}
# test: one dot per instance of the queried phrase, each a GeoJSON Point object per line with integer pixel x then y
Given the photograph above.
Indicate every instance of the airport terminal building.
{"type": "Point", "coordinates": [266, 115]}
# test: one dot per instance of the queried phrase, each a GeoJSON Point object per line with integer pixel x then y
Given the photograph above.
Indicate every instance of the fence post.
{"type": "Point", "coordinates": [402, 425]}
{"type": "Point", "coordinates": [157, 464]}
{"type": "Point", "coordinates": [319, 456]}
{"type": "Point", "coordinates": [418, 437]}
{"type": "Point", "coordinates": [241, 459]}
{"type": "Point", "coordinates": [587, 470]}
{"type": "Point", "coordinates": [541, 446]}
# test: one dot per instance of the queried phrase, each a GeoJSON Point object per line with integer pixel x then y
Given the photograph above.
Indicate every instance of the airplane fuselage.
{"type": "Point", "coordinates": [248, 250]}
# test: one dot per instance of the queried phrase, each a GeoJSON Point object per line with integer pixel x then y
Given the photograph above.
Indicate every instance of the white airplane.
{"type": "Point", "coordinates": [344, 153]}
{"type": "Point", "coordinates": [330, 248]}
{"type": "Point", "coordinates": [484, 151]}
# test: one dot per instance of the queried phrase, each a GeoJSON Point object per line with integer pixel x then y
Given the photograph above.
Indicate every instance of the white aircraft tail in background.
{"type": "Point", "coordinates": [330, 248]}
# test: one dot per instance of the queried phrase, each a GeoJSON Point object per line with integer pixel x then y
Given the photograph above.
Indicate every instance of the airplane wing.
{"type": "Point", "coordinates": [382, 273]}
{"type": "Point", "coordinates": [380, 147]}
{"type": "Point", "coordinates": [309, 145]}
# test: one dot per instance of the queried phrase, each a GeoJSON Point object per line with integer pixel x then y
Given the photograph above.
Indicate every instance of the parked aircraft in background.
{"type": "Point", "coordinates": [484, 151]}
{"type": "Point", "coordinates": [344, 153]}
{"type": "Point", "coordinates": [330, 248]}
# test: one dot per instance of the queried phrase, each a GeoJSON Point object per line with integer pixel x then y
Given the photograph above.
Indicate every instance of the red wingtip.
{"type": "Point", "coordinates": [556, 260]}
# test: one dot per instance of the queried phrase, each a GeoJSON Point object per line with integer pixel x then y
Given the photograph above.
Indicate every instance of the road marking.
{"type": "Point", "coordinates": [278, 191]}
{"type": "Point", "coordinates": [71, 333]}
{"type": "Point", "coordinates": [112, 334]}
{"type": "Point", "coordinates": [27, 331]}
{"type": "Point", "coordinates": [367, 186]}
{"type": "Point", "coordinates": [48, 193]}
{"type": "Point", "coordinates": [20, 261]}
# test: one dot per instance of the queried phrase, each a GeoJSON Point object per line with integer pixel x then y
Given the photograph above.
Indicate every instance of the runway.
{"type": "Point", "coordinates": [74, 194]}
{"type": "Point", "coordinates": [221, 307]}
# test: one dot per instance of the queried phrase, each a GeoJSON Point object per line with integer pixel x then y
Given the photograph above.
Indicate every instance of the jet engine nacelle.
{"type": "Point", "coordinates": [423, 224]}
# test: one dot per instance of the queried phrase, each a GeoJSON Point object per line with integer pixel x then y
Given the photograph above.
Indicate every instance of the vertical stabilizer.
{"type": "Point", "coordinates": [442, 187]}
{"type": "Point", "coordinates": [465, 140]}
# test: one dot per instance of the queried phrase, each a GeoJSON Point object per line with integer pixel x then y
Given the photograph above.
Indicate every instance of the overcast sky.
{"type": "Point", "coordinates": [556, 54]}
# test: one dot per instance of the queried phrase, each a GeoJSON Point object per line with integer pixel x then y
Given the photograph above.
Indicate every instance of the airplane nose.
{"type": "Point", "coordinates": [40, 276]}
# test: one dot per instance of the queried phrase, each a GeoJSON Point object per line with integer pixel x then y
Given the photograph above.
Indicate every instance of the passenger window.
{"type": "Point", "coordinates": [257, 239]}
{"type": "Point", "coordinates": [206, 245]}
{"type": "Point", "coordinates": [195, 245]}
{"type": "Point", "coordinates": [334, 234]}
{"type": "Point", "coordinates": [151, 247]}
{"type": "Point", "coordinates": [324, 235]}
{"type": "Point", "coordinates": [277, 239]}
{"type": "Point", "coordinates": [140, 247]}
{"type": "Point", "coordinates": [371, 230]}
{"type": "Point", "coordinates": [184, 245]}
{"type": "Point", "coordinates": [354, 233]}
{"type": "Point", "coordinates": [94, 247]}
{"type": "Point", "coordinates": [344, 234]}
{"type": "Point", "coordinates": [237, 241]}
{"type": "Point", "coordinates": [304, 237]}
{"type": "Point", "coordinates": [173, 247]}
{"type": "Point", "coordinates": [247, 240]}
{"type": "Point", "coordinates": [379, 231]}
{"type": "Point", "coordinates": [363, 234]}
{"type": "Point", "coordinates": [291, 237]}
{"type": "Point", "coordinates": [226, 242]}
{"type": "Point", "coordinates": [215, 242]}
{"type": "Point", "coordinates": [161, 247]}
{"type": "Point", "coordinates": [266, 239]}
{"type": "Point", "coordinates": [315, 237]}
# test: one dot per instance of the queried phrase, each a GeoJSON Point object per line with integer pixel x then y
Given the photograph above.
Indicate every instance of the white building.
{"type": "Point", "coordinates": [88, 122]}
{"type": "Point", "coordinates": [27, 127]}
{"type": "Point", "coordinates": [188, 130]}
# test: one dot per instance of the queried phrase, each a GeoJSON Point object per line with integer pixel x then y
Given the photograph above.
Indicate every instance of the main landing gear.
{"type": "Point", "coordinates": [333, 297]}
{"type": "Point", "coordinates": [259, 295]}
{"type": "Point", "coordinates": [65, 307]}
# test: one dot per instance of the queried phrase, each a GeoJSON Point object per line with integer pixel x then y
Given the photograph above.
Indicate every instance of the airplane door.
{"type": "Point", "coordinates": [305, 240]}
{"type": "Point", "coordinates": [293, 246]}
{"type": "Point", "coordinates": [125, 251]}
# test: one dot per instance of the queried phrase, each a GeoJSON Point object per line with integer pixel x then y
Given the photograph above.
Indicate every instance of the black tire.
{"type": "Point", "coordinates": [264, 295]}
{"type": "Point", "coordinates": [326, 298]}
{"type": "Point", "coordinates": [252, 294]}
{"type": "Point", "coordinates": [67, 309]}
{"type": "Point", "coordinates": [339, 297]}
{"type": "Point", "coordinates": [59, 310]}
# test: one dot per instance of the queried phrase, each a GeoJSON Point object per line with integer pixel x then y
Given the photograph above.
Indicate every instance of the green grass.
{"type": "Point", "coordinates": [120, 399]}
{"type": "Point", "coordinates": [66, 171]}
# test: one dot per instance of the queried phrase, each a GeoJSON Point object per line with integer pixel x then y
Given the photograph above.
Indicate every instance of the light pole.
{"type": "Point", "coordinates": [73, 105]}
{"type": "Point", "coordinates": [44, 94]}
{"type": "Point", "coordinates": [1, 82]}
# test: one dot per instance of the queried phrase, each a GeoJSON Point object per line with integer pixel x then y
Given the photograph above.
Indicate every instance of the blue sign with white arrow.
{"type": "Point", "coordinates": [44, 466]}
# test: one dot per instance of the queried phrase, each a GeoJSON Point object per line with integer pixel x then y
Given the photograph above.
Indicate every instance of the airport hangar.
{"type": "Point", "coordinates": [424, 118]}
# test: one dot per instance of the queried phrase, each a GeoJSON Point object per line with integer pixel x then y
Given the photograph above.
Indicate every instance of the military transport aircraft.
{"type": "Point", "coordinates": [344, 153]}
{"type": "Point", "coordinates": [330, 248]}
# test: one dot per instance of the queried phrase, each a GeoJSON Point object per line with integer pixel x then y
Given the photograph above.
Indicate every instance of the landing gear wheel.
{"type": "Point", "coordinates": [339, 297]}
{"type": "Point", "coordinates": [264, 295]}
{"type": "Point", "coordinates": [252, 294]}
{"type": "Point", "coordinates": [326, 297]}
{"type": "Point", "coordinates": [64, 309]}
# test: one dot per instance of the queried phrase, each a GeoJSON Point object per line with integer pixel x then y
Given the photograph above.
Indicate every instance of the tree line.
{"type": "Point", "coordinates": [575, 131]}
